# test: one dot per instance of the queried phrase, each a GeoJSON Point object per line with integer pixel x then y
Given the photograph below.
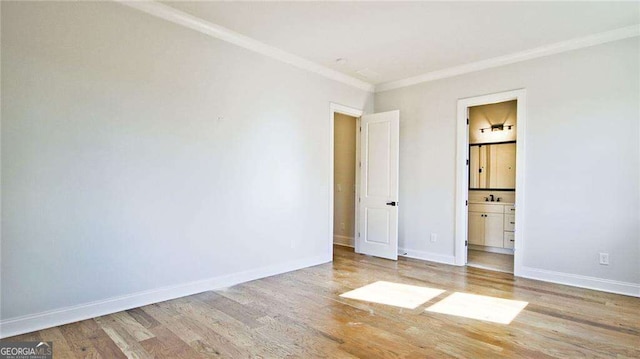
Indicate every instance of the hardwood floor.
{"type": "Point", "coordinates": [300, 314]}
{"type": "Point", "coordinates": [492, 261]}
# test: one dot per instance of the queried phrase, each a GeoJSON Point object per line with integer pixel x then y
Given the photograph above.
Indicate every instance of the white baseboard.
{"type": "Point", "coordinates": [604, 285]}
{"type": "Point", "coordinates": [426, 256]}
{"type": "Point", "coordinates": [343, 240]}
{"type": "Point", "coordinates": [52, 318]}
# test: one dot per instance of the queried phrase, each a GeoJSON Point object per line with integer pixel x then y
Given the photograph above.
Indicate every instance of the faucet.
{"type": "Point", "coordinates": [492, 199]}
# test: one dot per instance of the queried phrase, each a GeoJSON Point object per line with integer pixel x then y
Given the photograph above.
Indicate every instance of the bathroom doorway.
{"type": "Point", "coordinates": [488, 194]}
{"type": "Point", "coordinates": [492, 185]}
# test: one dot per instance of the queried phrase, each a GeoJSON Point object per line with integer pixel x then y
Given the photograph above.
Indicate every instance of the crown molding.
{"type": "Point", "coordinates": [221, 33]}
{"type": "Point", "coordinates": [552, 49]}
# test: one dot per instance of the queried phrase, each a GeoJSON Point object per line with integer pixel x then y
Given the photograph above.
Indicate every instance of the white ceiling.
{"type": "Point", "coordinates": [397, 40]}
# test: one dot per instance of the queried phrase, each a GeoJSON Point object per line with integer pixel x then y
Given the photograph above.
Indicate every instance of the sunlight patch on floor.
{"type": "Point", "coordinates": [479, 307]}
{"type": "Point", "coordinates": [395, 294]}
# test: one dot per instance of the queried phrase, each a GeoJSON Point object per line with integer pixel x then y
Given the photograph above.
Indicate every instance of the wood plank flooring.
{"type": "Point", "coordinates": [300, 315]}
{"type": "Point", "coordinates": [487, 260]}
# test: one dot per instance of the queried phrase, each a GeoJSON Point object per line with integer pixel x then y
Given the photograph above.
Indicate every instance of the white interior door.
{"type": "Point", "coordinates": [378, 206]}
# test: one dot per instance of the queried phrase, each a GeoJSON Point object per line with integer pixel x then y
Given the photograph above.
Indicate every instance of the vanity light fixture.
{"type": "Point", "coordinates": [495, 128]}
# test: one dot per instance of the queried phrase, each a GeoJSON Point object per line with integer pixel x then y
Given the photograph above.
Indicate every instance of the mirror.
{"type": "Point", "coordinates": [492, 166]}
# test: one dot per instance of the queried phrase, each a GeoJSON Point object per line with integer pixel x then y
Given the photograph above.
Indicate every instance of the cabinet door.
{"type": "Point", "coordinates": [493, 230]}
{"type": "Point", "coordinates": [510, 222]}
{"type": "Point", "coordinates": [509, 239]}
{"type": "Point", "coordinates": [476, 228]}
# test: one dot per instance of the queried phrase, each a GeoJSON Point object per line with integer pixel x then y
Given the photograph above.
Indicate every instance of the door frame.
{"type": "Point", "coordinates": [357, 113]}
{"type": "Point", "coordinates": [462, 173]}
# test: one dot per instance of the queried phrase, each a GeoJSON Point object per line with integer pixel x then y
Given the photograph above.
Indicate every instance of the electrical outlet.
{"type": "Point", "coordinates": [434, 237]}
{"type": "Point", "coordinates": [604, 259]}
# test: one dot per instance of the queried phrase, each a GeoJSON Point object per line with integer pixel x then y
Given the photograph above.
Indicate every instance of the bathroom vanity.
{"type": "Point", "coordinates": [492, 225]}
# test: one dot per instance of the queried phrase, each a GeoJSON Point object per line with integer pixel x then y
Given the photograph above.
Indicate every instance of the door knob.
{"type": "Point", "coordinates": [391, 203]}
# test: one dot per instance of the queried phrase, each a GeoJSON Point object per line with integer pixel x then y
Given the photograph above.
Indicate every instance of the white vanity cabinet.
{"type": "Point", "coordinates": [509, 226]}
{"type": "Point", "coordinates": [485, 229]}
{"type": "Point", "coordinates": [491, 224]}
{"type": "Point", "coordinates": [486, 224]}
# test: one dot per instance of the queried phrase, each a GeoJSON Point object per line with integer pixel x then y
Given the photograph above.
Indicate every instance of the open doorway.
{"type": "Point", "coordinates": [492, 185]}
{"type": "Point", "coordinates": [345, 133]}
{"type": "Point", "coordinates": [338, 112]}
{"type": "Point", "coordinates": [375, 190]}
{"type": "Point", "coordinates": [490, 181]}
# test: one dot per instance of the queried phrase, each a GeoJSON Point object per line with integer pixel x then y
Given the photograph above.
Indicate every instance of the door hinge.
{"type": "Point", "coordinates": [358, 234]}
{"type": "Point", "coordinates": [467, 162]}
{"type": "Point", "coordinates": [358, 199]}
{"type": "Point", "coordinates": [466, 202]}
{"type": "Point", "coordinates": [360, 128]}
{"type": "Point", "coordinates": [360, 164]}
{"type": "Point", "coordinates": [466, 243]}
{"type": "Point", "coordinates": [467, 121]}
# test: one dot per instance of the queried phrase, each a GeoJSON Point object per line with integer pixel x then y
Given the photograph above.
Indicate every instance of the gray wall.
{"type": "Point", "coordinates": [118, 175]}
{"type": "Point", "coordinates": [582, 158]}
